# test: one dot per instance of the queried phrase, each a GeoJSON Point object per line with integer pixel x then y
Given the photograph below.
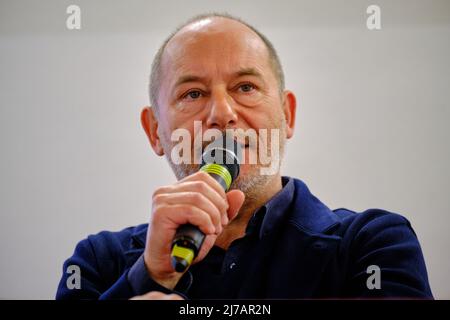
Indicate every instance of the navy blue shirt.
{"type": "Point", "coordinates": [222, 271]}
{"type": "Point", "coordinates": [294, 247]}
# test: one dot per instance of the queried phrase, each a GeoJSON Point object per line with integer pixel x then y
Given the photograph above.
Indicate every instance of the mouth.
{"type": "Point", "coordinates": [244, 142]}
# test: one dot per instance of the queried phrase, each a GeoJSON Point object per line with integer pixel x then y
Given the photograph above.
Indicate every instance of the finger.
{"type": "Point", "coordinates": [208, 243]}
{"type": "Point", "coordinates": [172, 296]}
{"type": "Point", "coordinates": [194, 199]}
{"type": "Point", "coordinates": [199, 187]}
{"type": "Point", "coordinates": [156, 295]}
{"type": "Point", "coordinates": [205, 177]}
{"type": "Point", "coordinates": [235, 200]}
{"type": "Point", "coordinates": [182, 214]}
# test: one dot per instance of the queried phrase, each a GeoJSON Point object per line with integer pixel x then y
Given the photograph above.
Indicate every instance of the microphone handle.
{"type": "Point", "coordinates": [189, 239]}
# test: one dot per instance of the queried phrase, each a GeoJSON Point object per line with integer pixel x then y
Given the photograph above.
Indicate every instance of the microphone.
{"type": "Point", "coordinates": [221, 160]}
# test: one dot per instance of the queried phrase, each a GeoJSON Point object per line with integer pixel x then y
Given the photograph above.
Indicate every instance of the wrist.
{"type": "Point", "coordinates": [167, 280]}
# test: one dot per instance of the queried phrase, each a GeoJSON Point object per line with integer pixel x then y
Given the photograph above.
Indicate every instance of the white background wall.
{"type": "Point", "coordinates": [373, 119]}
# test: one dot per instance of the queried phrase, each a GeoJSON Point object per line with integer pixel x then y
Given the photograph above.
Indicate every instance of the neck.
{"type": "Point", "coordinates": [236, 228]}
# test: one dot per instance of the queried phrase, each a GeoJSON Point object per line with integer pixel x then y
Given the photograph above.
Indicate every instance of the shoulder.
{"type": "Point", "coordinates": [370, 228]}
{"type": "Point", "coordinates": [371, 222]}
{"type": "Point", "coordinates": [106, 245]}
{"type": "Point", "coordinates": [312, 215]}
{"type": "Point", "coordinates": [100, 260]}
{"type": "Point", "coordinates": [385, 240]}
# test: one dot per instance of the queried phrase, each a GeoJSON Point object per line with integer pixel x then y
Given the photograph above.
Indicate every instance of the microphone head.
{"type": "Point", "coordinates": [226, 152]}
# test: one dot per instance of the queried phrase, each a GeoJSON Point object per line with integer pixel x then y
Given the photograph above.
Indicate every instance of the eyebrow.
{"type": "Point", "coordinates": [242, 72]}
{"type": "Point", "coordinates": [249, 72]}
{"type": "Point", "coordinates": [188, 78]}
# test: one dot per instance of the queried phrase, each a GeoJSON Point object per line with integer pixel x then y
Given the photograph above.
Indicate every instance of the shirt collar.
{"type": "Point", "coordinates": [269, 215]}
{"type": "Point", "coordinates": [310, 214]}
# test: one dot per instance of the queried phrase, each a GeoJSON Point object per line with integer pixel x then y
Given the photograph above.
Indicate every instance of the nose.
{"type": "Point", "coordinates": [222, 114]}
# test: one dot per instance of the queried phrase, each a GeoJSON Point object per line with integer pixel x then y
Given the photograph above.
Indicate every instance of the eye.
{"type": "Point", "coordinates": [246, 87]}
{"type": "Point", "coordinates": [192, 95]}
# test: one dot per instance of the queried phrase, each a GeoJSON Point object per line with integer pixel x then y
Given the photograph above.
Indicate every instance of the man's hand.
{"type": "Point", "coordinates": [197, 199]}
{"type": "Point", "coordinates": [156, 295]}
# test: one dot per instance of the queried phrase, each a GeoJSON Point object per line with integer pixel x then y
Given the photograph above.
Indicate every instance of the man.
{"type": "Point", "coordinates": [268, 237]}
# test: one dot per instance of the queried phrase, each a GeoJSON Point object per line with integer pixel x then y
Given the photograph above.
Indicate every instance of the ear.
{"type": "Point", "coordinates": [289, 109]}
{"type": "Point", "coordinates": [150, 125]}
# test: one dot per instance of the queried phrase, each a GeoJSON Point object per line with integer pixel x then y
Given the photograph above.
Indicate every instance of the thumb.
{"type": "Point", "coordinates": [235, 201]}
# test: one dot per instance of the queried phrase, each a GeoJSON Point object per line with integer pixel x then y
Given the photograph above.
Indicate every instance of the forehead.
{"type": "Point", "coordinates": [218, 44]}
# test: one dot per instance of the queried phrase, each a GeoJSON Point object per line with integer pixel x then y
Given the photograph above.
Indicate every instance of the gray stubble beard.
{"type": "Point", "coordinates": [251, 184]}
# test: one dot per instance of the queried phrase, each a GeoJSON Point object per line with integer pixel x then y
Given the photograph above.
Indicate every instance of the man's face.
{"type": "Point", "coordinates": [218, 71]}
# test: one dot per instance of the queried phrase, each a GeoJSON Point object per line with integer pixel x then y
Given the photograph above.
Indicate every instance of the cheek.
{"type": "Point", "coordinates": [266, 116]}
{"type": "Point", "coordinates": [251, 100]}
{"type": "Point", "coordinates": [187, 109]}
{"type": "Point", "coordinates": [171, 130]}
{"type": "Point", "coordinates": [179, 120]}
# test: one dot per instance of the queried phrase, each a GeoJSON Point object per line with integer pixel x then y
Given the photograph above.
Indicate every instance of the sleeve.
{"type": "Point", "coordinates": [82, 278]}
{"type": "Point", "coordinates": [386, 259]}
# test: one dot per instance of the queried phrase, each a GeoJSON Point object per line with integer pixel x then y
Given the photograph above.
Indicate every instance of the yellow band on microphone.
{"type": "Point", "coordinates": [221, 171]}
{"type": "Point", "coordinates": [184, 253]}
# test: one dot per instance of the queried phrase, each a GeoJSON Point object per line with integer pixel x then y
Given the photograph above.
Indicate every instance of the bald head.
{"type": "Point", "coordinates": [208, 34]}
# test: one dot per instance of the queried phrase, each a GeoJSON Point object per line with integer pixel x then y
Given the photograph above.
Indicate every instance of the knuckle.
{"type": "Point", "coordinates": [157, 198]}
{"type": "Point", "coordinates": [159, 191]}
{"type": "Point", "coordinates": [203, 175]}
{"type": "Point", "coordinates": [157, 211]}
{"type": "Point", "coordinates": [215, 215]}
{"type": "Point", "coordinates": [196, 197]}
{"type": "Point", "coordinates": [200, 186]}
{"type": "Point", "coordinates": [223, 206]}
{"type": "Point", "coordinates": [189, 210]}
